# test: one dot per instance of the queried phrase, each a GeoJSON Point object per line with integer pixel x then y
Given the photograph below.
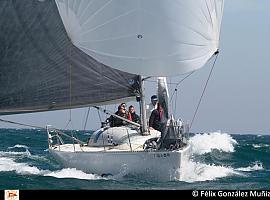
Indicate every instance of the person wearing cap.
{"type": "Point", "coordinates": [151, 106]}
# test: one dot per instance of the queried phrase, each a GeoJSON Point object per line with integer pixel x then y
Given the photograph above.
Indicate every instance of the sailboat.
{"type": "Point", "coordinates": [66, 54]}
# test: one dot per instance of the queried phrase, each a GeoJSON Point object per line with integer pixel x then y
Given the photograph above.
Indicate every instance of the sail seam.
{"type": "Point", "coordinates": [95, 13]}
{"type": "Point", "coordinates": [109, 21]}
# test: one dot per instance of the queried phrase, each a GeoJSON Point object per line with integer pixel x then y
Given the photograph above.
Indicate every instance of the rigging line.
{"type": "Point", "coordinates": [17, 123]}
{"type": "Point", "coordinates": [70, 94]}
{"type": "Point", "coordinates": [175, 103]}
{"type": "Point", "coordinates": [99, 116]}
{"type": "Point", "coordinates": [129, 140]}
{"type": "Point", "coordinates": [69, 72]}
{"type": "Point", "coordinates": [195, 113]}
{"type": "Point", "coordinates": [67, 123]}
{"type": "Point", "coordinates": [86, 119]}
{"type": "Point", "coordinates": [179, 83]}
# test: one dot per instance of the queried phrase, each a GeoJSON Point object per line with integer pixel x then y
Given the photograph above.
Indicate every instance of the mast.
{"type": "Point", "coordinates": [142, 107]}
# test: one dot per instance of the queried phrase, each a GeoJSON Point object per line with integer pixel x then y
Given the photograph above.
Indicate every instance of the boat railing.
{"type": "Point", "coordinates": [55, 139]}
{"type": "Point", "coordinates": [174, 135]}
{"type": "Point", "coordinates": [186, 128]}
{"type": "Point", "coordinates": [181, 128]}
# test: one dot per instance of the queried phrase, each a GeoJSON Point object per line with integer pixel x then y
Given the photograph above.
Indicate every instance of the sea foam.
{"type": "Point", "coordinates": [72, 173]}
{"type": "Point", "coordinates": [192, 171]}
{"type": "Point", "coordinates": [9, 164]}
{"type": "Point", "coordinates": [256, 166]}
{"type": "Point", "coordinates": [260, 145]}
{"type": "Point", "coordinates": [206, 142]}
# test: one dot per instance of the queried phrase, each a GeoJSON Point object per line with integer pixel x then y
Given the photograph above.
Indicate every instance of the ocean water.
{"type": "Point", "coordinates": [219, 161]}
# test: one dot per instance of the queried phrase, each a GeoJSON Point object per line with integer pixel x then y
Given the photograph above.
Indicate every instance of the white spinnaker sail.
{"type": "Point", "coordinates": [146, 37]}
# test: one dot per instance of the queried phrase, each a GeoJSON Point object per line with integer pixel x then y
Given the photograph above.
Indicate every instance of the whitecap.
{"type": "Point", "coordinates": [73, 173]}
{"type": "Point", "coordinates": [260, 145]}
{"type": "Point", "coordinates": [15, 153]}
{"type": "Point", "coordinates": [206, 142]}
{"type": "Point", "coordinates": [8, 164]}
{"type": "Point", "coordinates": [256, 166]}
{"type": "Point", "coordinates": [19, 154]}
{"type": "Point", "coordinates": [19, 146]}
{"type": "Point", "coordinates": [192, 171]}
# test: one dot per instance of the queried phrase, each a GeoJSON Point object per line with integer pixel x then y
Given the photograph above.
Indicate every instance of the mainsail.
{"type": "Point", "coordinates": [41, 69]}
{"type": "Point", "coordinates": [147, 37]}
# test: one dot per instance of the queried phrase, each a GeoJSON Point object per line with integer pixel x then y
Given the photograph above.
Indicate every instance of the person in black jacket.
{"type": "Point", "coordinates": [156, 118]}
{"type": "Point", "coordinates": [114, 121]}
{"type": "Point", "coordinates": [134, 117]}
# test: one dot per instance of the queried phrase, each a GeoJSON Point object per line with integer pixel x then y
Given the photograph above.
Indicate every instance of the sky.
{"type": "Point", "coordinates": [237, 97]}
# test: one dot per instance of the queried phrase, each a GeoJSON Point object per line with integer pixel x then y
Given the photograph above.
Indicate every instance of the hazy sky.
{"type": "Point", "coordinates": [237, 99]}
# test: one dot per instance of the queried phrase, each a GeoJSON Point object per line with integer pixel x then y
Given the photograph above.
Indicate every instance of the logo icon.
{"type": "Point", "coordinates": [195, 193]}
{"type": "Point", "coordinates": [131, 81]}
{"type": "Point", "coordinates": [11, 194]}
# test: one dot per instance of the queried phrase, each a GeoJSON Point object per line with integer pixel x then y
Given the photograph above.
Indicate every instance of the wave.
{"type": "Point", "coordinates": [192, 171]}
{"type": "Point", "coordinates": [206, 142]}
{"type": "Point", "coordinates": [9, 164]}
{"type": "Point", "coordinates": [257, 166]}
{"type": "Point", "coordinates": [260, 145]}
{"type": "Point", "coordinates": [88, 134]}
{"type": "Point", "coordinates": [201, 144]}
{"type": "Point", "coordinates": [19, 151]}
{"type": "Point", "coordinates": [19, 146]}
{"type": "Point", "coordinates": [22, 154]}
{"type": "Point", "coordinates": [15, 153]}
{"type": "Point", "coordinates": [73, 173]}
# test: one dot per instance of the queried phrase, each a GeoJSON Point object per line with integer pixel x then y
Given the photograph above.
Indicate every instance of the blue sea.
{"type": "Point", "coordinates": [219, 161]}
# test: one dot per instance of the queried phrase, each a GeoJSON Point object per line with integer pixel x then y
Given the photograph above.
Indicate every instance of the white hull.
{"type": "Point", "coordinates": [110, 151]}
{"type": "Point", "coordinates": [161, 165]}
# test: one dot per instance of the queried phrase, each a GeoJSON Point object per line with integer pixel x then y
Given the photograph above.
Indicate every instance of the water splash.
{"type": "Point", "coordinates": [192, 171]}
{"type": "Point", "coordinates": [9, 164]}
{"type": "Point", "coordinates": [123, 172]}
{"type": "Point", "coordinates": [206, 142]}
{"type": "Point", "coordinates": [73, 173]}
